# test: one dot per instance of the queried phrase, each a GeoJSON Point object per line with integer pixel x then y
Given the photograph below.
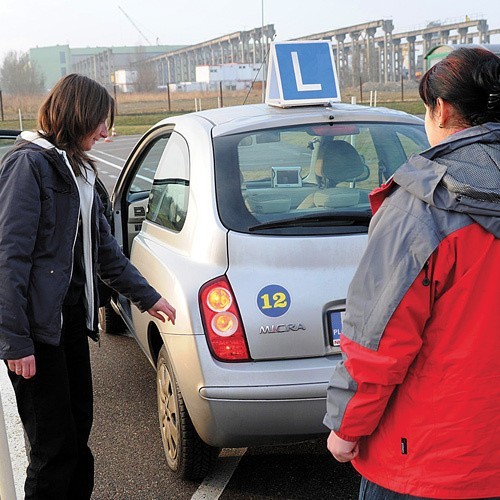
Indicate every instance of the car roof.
{"type": "Point", "coordinates": [233, 119]}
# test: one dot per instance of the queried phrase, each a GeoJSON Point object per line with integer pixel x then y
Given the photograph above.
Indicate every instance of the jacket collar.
{"type": "Point", "coordinates": [52, 151]}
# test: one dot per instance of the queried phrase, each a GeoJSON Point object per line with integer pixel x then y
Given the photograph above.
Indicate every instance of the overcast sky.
{"type": "Point", "coordinates": [86, 23]}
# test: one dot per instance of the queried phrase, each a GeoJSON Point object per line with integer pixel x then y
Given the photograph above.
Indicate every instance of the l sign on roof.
{"type": "Point", "coordinates": [301, 73]}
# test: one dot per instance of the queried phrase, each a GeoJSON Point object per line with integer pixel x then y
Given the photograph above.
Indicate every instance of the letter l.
{"type": "Point", "coordinates": [301, 86]}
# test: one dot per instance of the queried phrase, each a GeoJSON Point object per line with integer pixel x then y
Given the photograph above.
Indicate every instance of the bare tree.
{"type": "Point", "coordinates": [147, 80]}
{"type": "Point", "coordinates": [19, 76]}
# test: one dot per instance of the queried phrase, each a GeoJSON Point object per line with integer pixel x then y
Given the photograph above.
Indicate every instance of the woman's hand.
{"type": "Point", "coordinates": [162, 306]}
{"type": "Point", "coordinates": [25, 367]}
{"type": "Point", "coordinates": [342, 450]}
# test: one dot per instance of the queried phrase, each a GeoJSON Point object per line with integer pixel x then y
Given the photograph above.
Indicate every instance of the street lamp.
{"type": "Point", "coordinates": [262, 53]}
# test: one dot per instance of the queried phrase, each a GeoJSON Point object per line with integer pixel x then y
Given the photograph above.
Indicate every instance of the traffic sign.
{"type": "Point", "coordinates": [301, 73]}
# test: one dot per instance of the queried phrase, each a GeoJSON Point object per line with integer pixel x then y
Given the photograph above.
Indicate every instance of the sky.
{"type": "Point", "coordinates": [89, 23]}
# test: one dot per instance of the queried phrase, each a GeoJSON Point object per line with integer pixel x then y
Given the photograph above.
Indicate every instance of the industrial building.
{"type": "Point", "coordinates": [99, 63]}
{"type": "Point", "coordinates": [367, 52]}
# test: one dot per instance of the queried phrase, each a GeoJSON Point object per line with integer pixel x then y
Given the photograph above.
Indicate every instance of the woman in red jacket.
{"type": "Point", "coordinates": [415, 402]}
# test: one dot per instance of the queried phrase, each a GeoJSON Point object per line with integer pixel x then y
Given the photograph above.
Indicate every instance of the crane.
{"type": "Point", "coordinates": [135, 26]}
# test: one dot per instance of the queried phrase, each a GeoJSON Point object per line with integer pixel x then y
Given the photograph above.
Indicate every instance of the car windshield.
{"type": "Point", "coordinates": [308, 179]}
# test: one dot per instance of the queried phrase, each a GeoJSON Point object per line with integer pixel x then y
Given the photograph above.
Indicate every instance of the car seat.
{"type": "Point", "coordinates": [338, 161]}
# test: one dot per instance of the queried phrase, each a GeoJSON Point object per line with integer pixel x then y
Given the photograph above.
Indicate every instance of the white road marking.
{"type": "Point", "coordinates": [108, 154]}
{"type": "Point", "coordinates": [213, 485]}
{"type": "Point", "coordinates": [114, 165]}
{"type": "Point", "coordinates": [15, 432]}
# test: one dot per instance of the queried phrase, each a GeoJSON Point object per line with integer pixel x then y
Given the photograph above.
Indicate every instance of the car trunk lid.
{"type": "Point", "coordinates": [290, 292]}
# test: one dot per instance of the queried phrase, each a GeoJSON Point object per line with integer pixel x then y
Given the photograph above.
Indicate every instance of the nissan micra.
{"type": "Point", "coordinates": [251, 221]}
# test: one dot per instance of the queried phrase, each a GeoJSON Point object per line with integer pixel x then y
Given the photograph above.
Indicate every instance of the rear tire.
{"type": "Point", "coordinates": [110, 322]}
{"type": "Point", "coordinates": [187, 455]}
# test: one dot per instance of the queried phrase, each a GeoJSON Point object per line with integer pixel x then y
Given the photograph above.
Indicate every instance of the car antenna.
{"type": "Point", "coordinates": [260, 69]}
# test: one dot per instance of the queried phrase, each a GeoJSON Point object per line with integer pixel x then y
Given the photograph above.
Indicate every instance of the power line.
{"type": "Point", "coordinates": [135, 26]}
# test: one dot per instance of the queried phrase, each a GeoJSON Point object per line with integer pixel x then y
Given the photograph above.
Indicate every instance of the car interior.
{"type": "Point", "coordinates": [326, 169]}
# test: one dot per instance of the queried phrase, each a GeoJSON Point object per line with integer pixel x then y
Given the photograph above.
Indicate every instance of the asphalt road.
{"type": "Point", "coordinates": [126, 440]}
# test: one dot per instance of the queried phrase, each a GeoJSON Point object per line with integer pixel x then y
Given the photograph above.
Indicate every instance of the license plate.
{"type": "Point", "coordinates": [335, 327]}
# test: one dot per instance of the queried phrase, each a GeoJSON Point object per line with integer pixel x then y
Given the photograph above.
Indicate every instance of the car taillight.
{"type": "Point", "coordinates": [222, 321]}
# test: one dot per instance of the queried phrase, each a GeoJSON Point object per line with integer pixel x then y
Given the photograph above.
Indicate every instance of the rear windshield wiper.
{"type": "Point", "coordinates": [339, 219]}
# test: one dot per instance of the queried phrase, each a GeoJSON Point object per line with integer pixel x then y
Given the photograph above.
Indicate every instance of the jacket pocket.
{"type": "Point", "coordinates": [46, 290]}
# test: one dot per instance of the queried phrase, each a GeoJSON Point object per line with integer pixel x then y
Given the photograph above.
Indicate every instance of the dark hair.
{"type": "Point", "coordinates": [468, 79]}
{"type": "Point", "coordinates": [74, 109]}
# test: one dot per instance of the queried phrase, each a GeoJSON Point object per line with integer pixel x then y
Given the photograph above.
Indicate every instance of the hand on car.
{"type": "Point", "coordinates": [162, 306]}
{"type": "Point", "coordinates": [25, 367]}
{"type": "Point", "coordinates": [342, 450]}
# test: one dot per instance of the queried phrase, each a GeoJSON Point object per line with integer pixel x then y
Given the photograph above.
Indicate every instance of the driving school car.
{"type": "Point", "coordinates": [251, 221]}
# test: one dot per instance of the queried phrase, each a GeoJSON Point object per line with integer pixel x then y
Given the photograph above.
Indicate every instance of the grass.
{"type": "Point", "coordinates": [138, 112]}
{"type": "Point", "coordinates": [412, 107]}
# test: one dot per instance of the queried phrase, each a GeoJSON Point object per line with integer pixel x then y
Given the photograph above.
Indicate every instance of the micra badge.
{"type": "Point", "coordinates": [281, 328]}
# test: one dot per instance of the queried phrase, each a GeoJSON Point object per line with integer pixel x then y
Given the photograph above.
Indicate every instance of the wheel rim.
{"type": "Point", "coordinates": [168, 412]}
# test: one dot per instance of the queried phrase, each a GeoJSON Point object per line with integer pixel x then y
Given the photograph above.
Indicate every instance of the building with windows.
{"type": "Point", "coordinates": [97, 62]}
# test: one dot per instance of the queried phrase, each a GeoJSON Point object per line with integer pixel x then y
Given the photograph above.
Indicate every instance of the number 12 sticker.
{"type": "Point", "coordinates": [273, 300]}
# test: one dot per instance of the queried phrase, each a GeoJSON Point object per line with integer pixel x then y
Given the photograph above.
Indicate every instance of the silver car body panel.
{"type": "Point", "coordinates": [315, 278]}
{"type": "Point", "coordinates": [236, 119]}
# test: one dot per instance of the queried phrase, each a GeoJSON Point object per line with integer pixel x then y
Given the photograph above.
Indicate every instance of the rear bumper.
{"type": "Point", "coordinates": [310, 391]}
{"type": "Point", "coordinates": [249, 416]}
{"type": "Point", "coordinates": [248, 404]}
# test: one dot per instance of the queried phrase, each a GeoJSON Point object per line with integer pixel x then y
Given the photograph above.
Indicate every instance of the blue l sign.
{"type": "Point", "coordinates": [302, 73]}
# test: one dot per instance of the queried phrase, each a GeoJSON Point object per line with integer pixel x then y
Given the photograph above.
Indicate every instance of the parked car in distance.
{"type": "Point", "coordinates": [7, 139]}
{"type": "Point", "coordinates": [251, 221]}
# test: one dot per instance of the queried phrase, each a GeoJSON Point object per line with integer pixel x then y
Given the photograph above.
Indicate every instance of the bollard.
{"type": "Point", "coordinates": [7, 488]}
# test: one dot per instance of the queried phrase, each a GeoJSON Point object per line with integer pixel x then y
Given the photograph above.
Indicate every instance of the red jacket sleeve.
{"type": "Point", "coordinates": [366, 377]}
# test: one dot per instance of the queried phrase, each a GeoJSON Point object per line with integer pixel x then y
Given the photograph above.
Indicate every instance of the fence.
{"type": "Point", "coordinates": [16, 108]}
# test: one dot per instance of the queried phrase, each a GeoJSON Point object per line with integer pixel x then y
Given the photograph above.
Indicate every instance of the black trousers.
{"type": "Point", "coordinates": [56, 408]}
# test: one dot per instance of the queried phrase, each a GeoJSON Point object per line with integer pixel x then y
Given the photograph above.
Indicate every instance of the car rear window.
{"type": "Point", "coordinates": [308, 179]}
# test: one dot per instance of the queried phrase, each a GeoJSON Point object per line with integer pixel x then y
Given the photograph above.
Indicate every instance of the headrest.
{"type": "Point", "coordinates": [340, 161]}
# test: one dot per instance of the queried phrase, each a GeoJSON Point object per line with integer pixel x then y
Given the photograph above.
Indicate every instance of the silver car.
{"type": "Point", "coordinates": [251, 221]}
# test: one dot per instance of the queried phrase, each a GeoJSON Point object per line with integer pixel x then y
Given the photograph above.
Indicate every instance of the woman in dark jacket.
{"type": "Point", "coordinates": [55, 244]}
{"type": "Point", "coordinates": [415, 402]}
